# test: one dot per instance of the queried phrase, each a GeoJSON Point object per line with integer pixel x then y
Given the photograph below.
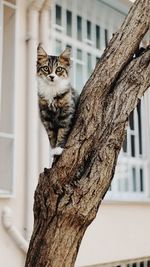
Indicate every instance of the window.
{"type": "Point", "coordinates": [131, 172]}
{"type": "Point", "coordinates": [87, 33]}
{"type": "Point", "coordinates": [79, 70]}
{"type": "Point", "coordinates": [82, 34]}
{"type": "Point", "coordinates": [58, 47]}
{"type": "Point", "coordinates": [7, 91]}
{"type": "Point", "coordinates": [58, 15]}
{"type": "Point", "coordinates": [88, 30]}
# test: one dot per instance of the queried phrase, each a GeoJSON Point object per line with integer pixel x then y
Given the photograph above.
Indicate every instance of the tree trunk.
{"type": "Point", "coordinates": [68, 195]}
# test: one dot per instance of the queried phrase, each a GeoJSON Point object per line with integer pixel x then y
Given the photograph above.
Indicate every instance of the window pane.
{"type": "Point", "coordinates": [79, 77]}
{"type": "Point", "coordinates": [139, 126]}
{"type": "Point", "coordinates": [58, 15]}
{"type": "Point", "coordinates": [6, 163]}
{"type": "Point", "coordinates": [89, 64]}
{"type": "Point", "coordinates": [132, 145]}
{"type": "Point", "coordinates": [106, 37]}
{"type": "Point", "coordinates": [58, 47]}
{"type": "Point", "coordinates": [134, 179]}
{"type": "Point", "coordinates": [79, 54]}
{"type": "Point", "coordinates": [69, 23]}
{"type": "Point", "coordinates": [72, 66]}
{"type": "Point", "coordinates": [97, 37]}
{"type": "Point", "coordinates": [7, 97]}
{"type": "Point", "coordinates": [88, 30]}
{"type": "Point", "coordinates": [126, 185]}
{"type": "Point", "coordinates": [79, 28]}
{"type": "Point", "coordinates": [141, 181]}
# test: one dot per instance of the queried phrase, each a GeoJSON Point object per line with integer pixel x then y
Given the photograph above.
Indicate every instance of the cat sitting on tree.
{"type": "Point", "coordinates": [57, 98]}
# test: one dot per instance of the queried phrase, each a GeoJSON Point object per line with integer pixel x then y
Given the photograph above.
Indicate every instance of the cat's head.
{"type": "Point", "coordinates": [54, 69]}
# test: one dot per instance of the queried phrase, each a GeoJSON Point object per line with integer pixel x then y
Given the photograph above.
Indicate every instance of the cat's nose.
{"type": "Point", "coordinates": [52, 77]}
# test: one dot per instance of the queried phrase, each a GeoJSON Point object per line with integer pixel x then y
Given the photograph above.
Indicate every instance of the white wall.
{"type": "Point", "coordinates": [10, 255]}
{"type": "Point", "coordinates": [120, 231]}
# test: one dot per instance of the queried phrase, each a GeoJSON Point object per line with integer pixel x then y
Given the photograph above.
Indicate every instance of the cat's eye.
{"type": "Point", "coordinates": [46, 69]}
{"type": "Point", "coordinates": [59, 69]}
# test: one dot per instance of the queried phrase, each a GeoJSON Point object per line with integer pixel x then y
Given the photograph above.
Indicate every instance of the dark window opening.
{"type": "Point", "coordinates": [132, 145]}
{"type": "Point", "coordinates": [97, 37]}
{"type": "Point", "coordinates": [88, 30]}
{"type": "Point", "coordinates": [106, 37]}
{"type": "Point", "coordinates": [58, 15]}
{"type": "Point", "coordinates": [139, 126]}
{"type": "Point", "coordinates": [79, 28]}
{"type": "Point", "coordinates": [69, 23]}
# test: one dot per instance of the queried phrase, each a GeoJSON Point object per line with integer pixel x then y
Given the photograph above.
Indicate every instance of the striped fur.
{"type": "Point", "coordinates": [57, 99]}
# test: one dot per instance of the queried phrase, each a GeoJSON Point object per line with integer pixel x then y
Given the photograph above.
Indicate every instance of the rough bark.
{"type": "Point", "coordinates": [68, 195]}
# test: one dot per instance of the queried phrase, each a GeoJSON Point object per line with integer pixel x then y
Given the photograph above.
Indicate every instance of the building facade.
{"type": "Point", "coordinates": [121, 228]}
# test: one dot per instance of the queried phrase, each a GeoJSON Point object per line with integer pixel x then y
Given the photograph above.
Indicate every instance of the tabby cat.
{"type": "Point", "coordinates": [57, 98]}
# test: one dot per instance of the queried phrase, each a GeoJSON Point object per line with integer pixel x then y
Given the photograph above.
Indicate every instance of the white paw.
{"type": "Point", "coordinates": [57, 151]}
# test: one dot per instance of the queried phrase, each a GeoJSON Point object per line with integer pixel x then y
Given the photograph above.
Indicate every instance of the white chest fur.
{"type": "Point", "coordinates": [50, 89]}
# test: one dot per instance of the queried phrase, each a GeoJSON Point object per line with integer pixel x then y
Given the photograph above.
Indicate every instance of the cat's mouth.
{"type": "Point", "coordinates": [51, 80]}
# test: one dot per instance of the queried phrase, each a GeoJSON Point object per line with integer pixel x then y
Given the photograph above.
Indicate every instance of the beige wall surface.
{"type": "Point", "coordinates": [10, 254]}
{"type": "Point", "coordinates": [120, 231]}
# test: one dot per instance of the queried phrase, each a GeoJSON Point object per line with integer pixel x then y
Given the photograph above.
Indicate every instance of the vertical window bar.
{"type": "Point", "coordinates": [79, 70]}
{"type": "Point", "coordinates": [102, 39]}
{"type": "Point", "coordinates": [74, 19]}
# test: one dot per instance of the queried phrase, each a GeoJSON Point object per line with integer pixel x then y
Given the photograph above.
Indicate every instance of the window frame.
{"type": "Point", "coordinates": [10, 193]}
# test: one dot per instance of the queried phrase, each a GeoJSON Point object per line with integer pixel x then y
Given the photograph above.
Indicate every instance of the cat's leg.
{"type": "Point", "coordinates": [51, 134]}
{"type": "Point", "coordinates": [62, 137]}
{"type": "Point", "coordinates": [60, 143]}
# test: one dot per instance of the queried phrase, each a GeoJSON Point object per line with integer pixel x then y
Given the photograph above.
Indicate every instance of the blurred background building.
{"type": "Point", "coordinates": [121, 228]}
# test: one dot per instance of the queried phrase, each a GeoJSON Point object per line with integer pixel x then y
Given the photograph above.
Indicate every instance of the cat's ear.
{"type": "Point", "coordinates": [65, 56]}
{"type": "Point", "coordinates": [41, 54]}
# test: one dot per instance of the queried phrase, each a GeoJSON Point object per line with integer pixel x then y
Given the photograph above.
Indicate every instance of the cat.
{"type": "Point", "coordinates": [57, 99]}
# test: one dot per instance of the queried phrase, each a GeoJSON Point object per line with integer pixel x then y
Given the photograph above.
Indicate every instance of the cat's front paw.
{"type": "Point", "coordinates": [57, 151]}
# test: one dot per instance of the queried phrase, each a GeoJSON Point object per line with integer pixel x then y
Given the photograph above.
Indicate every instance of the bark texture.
{"type": "Point", "coordinates": [68, 195]}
